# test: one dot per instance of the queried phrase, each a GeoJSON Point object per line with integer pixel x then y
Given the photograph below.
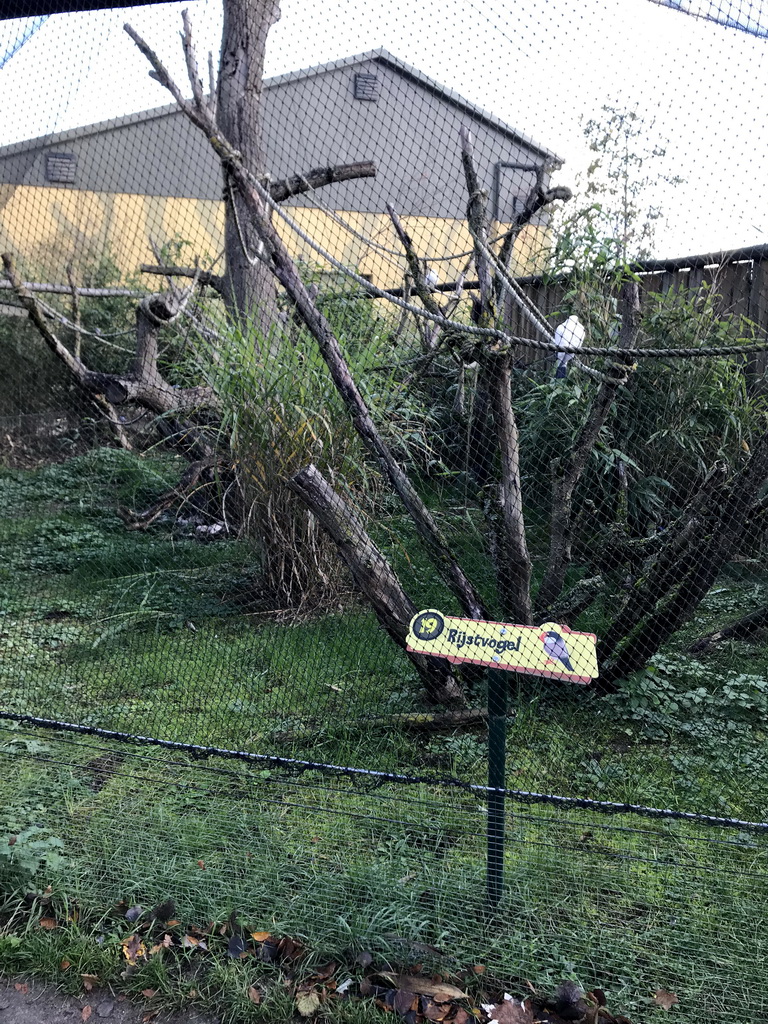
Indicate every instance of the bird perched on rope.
{"type": "Point", "coordinates": [569, 335]}
{"type": "Point", "coordinates": [431, 279]}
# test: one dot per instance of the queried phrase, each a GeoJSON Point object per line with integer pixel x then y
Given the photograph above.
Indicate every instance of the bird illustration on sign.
{"type": "Point", "coordinates": [556, 650]}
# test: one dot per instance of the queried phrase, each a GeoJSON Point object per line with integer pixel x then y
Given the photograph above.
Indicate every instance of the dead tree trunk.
{"type": "Point", "coordinates": [373, 575]}
{"type": "Point", "coordinates": [505, 504]}
{"type": "Point", "coordinates": [249, 286]}
{"type": "Point", "coordinates": [744, 628]}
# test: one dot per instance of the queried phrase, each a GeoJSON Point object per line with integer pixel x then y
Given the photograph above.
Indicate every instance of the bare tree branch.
{"type": "Point", "coordinates": [75, 310]}
{"type": "Point", "coordinates": [513, 562]}
{"type": "Point", "coordinates": [415, 268]}
{"type": "Point", "coordinates": [143, 383]}
{"type": "Point", "coordinates": [374, 576]}
{"type": "Point", "coordinates": [477, 221]}
{"type": "Point", "coordinates": [319, 177]}
{"type": "Point", "coordinates": [505, 506]}
{"type": "Point", "coordinates": [283, 267]}
{"type": "Point", "coordinates": [570, 471]}
{"type": "Point", "coordinates": [85, 293]}
{"type": "Point", "coordinates": [538, 198]}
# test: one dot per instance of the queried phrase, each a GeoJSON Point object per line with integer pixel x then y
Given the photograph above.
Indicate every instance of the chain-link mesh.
{"type": "Point", "coordinates": [384, 492]}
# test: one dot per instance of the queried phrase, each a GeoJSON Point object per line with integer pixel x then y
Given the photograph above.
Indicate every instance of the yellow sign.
{"type": "Point", "coordinates": [553, 651]}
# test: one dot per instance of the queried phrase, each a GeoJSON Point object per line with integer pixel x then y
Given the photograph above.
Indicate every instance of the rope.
{"type": "Point", "coordinates": [82, 330]}
{"type": "Point", "coordinates": [335, 216]}
{"type": "Point", "coordinates": [494, 333]}
{"type": "Point", "coordinates": [381, 778]}
{"type": "Point", "coordinates": [251, 260]}
{"type": "Point", "coordinates": [372, 243]}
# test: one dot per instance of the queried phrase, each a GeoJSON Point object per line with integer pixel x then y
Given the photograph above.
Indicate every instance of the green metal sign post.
{"type": "Point", "coordinates": [497, 780]}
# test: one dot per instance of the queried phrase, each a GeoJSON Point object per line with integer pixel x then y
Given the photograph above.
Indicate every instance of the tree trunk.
{"type": "Point", "coordinates": [570, 471]}
{"type": "Point", "coordinates": [374, 576]}
{"type": "Point", "coordinates": [249, 286]}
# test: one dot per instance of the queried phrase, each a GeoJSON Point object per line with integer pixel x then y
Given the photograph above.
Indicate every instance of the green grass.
{"type": "Point", "coordinates": [157, 634]}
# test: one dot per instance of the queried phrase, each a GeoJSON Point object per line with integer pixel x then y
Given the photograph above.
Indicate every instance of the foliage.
{"type": "Point", "coordinates": [617, 197]}
{"type": "Point", "coordinates": [27, 844]}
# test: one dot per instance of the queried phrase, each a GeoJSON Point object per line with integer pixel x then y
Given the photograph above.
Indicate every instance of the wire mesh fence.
{"type": "Point", "coordinates": [384, 498]}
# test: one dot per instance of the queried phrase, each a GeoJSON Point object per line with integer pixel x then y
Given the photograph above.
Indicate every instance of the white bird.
{"type": "Point", "coordinates": [569, 335]}
{"type": "Point", "coordinates": [431, 279]}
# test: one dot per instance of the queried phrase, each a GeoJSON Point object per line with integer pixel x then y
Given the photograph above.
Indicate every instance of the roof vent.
{"type": "Point", "coordinates": [60, 167]}
{"type": "Point", "coordinates": [366, 87]}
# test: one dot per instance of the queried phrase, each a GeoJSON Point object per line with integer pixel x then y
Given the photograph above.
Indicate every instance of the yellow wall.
{"type": "Point", "coordinates": [47, 228]}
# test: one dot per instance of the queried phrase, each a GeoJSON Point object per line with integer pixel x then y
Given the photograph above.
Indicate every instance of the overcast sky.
{"type": "Point", "coordinates": [543, 66]}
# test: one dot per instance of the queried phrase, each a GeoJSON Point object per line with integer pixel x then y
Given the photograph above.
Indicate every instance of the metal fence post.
{"type": "Point", "coordinates": [497, 761]}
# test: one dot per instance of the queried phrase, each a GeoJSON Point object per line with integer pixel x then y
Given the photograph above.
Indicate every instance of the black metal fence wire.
{"type": "Point", "coordinates": [399, 340]}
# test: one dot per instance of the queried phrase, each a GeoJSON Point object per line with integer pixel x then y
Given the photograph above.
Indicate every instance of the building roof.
{"type": "Point", "coordinates": [380, 55]}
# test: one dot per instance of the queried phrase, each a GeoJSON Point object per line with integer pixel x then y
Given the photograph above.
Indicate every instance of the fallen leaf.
{"type": "Point", "coordinates": [666, 1000]}
{"type": "Point", "coordinates": [133, 948]}
{"type": "Point", "coordinates": [308, 1003]}
{"type": "Point", "coordinates": [461, 1017]}
{"type": "Point", "coordinates": [289, 948]}
{"type": "Point", "coordinates": [236, 947]}
{"type": "Point", "coordinates": [165, 942]}
{"type": "Point", "coordinates": [404, 1001]}
{"type": "Point", "coordinates": [479, 969]}
{"type": "Point", "coordinates": [201, 865]}
{"type": "Point", "coordinates": [12, 840]}
{"type": "Point", "coordinates": [149, 1016]}
{"type": "Point", "coordinates": [87, 1011]}
{"type": "Point", "coordinates": [436, 1011]}
{"type": "Point", "coordinates": [148, 993]}
{"type": "Point", "coordinates": [89, 980]}
{"type": "Point", "coordinates": [192, 994]}
{"type": "Point", "coordinates": [260, 936]}
{"type": "Point", "coordinates": [65, 965]}
{"type": "Point", "coordinates": [254, 994]}
{"type": "Point", "coordinates": [164, 911]}
{"type": "Point", "coordinates": [21, 987]}
{"type": "Point", "coordinates": [509, 1011]}
{"type": "Point", "coordinates": [325, 972]}
{"type": "Point", "coordinates": [48, 922]}
{"type": "Point", "coordinates": [440, 991]}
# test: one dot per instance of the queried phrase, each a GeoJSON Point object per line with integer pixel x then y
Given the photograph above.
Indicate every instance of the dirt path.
{"type": "Point", "coordinates": [30, 1002]}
